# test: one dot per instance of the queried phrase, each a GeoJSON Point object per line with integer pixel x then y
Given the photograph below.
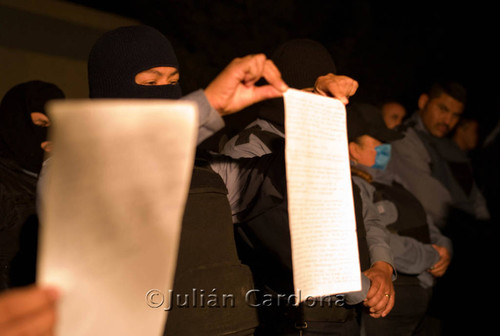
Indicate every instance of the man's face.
{"type": "Point", "coordinates": [441, 114]}
{"type": "Point", "coordinates": [158, 76]}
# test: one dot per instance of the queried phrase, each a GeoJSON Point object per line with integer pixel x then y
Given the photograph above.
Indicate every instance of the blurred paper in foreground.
{"type": "Point", "coordinates": [112, 204]}
{"type": "Point", "coordinates": [320, 202]}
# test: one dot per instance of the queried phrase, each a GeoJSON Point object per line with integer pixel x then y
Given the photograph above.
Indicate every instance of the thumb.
{"type": "Point", "coordinates": [265, 92]}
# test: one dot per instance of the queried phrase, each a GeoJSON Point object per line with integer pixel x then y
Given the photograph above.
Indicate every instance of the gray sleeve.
{"type": "Point", "coordinates": [412, 256]}
{"type": "Point", "coordinates": [377, 236]}
{"type": "Point", "coordinates": [411, 162]}
{"type": "Point", "coordinates": [209, 120]}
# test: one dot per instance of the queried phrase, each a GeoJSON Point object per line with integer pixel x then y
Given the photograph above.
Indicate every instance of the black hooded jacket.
{"type": "Point", "coordinates": [207, 262]}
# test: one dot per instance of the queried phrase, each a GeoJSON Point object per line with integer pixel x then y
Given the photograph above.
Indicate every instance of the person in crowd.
{"type": "Point", "coordinates": [264, 240]}
{"type": "Point", "coordinates": [139, 62]}
{"type": "Point", "coordinates": [425, 158]}
{"type": "Point", "coordinates": [317, 75]}
{"type": "Point", "coordinates": [23, 144]}
{"type": "Point", "coordinates": [393, 113]}
{"type": "Point", "coordinates": [440, 176]}
{"type": "Point", "coordinates": [421, 252]}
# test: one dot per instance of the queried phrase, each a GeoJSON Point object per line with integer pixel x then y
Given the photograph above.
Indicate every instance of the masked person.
{"type": "Point", "coordinates": [23, 130]}
{"type": "Point", "coordinates": [139, 62]}
{"type": "Point", "coordinates": [306, 65]}
{"type": "Point", "coordinates": [263, 228]}
{"type": "Point", "coordinates": [123, 64]}
{"type": "Point", "coordinates": [421, 252]}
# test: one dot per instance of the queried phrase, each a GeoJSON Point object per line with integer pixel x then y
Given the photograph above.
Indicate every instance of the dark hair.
{"type": "Point", "coordinates": [451, 88]}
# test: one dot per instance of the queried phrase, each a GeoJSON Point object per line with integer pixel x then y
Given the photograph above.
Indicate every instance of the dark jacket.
{"type": "Point", "coordinates": [208, 264]}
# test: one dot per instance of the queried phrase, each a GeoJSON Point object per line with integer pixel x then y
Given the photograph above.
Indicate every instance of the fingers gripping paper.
{"type": "Point", "coordinates": [320, 202]}
{"type": "Point", "coordinates": [112, 207]}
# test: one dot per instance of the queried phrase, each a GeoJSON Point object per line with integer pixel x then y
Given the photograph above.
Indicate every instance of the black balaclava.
{"type": "Point", "coordinates": [301, 62]}
{"type": "Point", "coordinates": [119, 55]}
{"type": "Point", "coordinates": [20, 138]}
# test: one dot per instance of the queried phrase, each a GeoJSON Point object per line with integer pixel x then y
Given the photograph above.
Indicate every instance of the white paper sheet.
{"type": "Point", "coordinates": [320, 202]}
{"type": "Point", "coordinates": [113, 199]}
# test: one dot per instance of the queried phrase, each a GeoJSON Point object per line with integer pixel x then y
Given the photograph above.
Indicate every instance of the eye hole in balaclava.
{"type": "Point", "coordinates": [20, 138]}
{"type": "Point", "coordinates": [119, 55]}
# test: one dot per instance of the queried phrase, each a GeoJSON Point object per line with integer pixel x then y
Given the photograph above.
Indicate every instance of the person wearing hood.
{"type": "Point", "coordinates": [138, 62]}
{"type": "Point", "coordinates": [23, 144]}
{"type": "Point", "coordinates": [305, 64]}
{"type": "Point", "coordinates": [421, 252]}
{"type": "Point", "coordinates": [263, 229]}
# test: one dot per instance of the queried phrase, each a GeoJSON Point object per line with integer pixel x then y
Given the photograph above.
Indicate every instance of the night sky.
{"type": "Point", "coordinates": [391, 49]}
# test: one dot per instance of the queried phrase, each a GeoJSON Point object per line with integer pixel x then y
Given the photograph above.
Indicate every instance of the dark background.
{"type": "Point", "coordinates": [393, 49]}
